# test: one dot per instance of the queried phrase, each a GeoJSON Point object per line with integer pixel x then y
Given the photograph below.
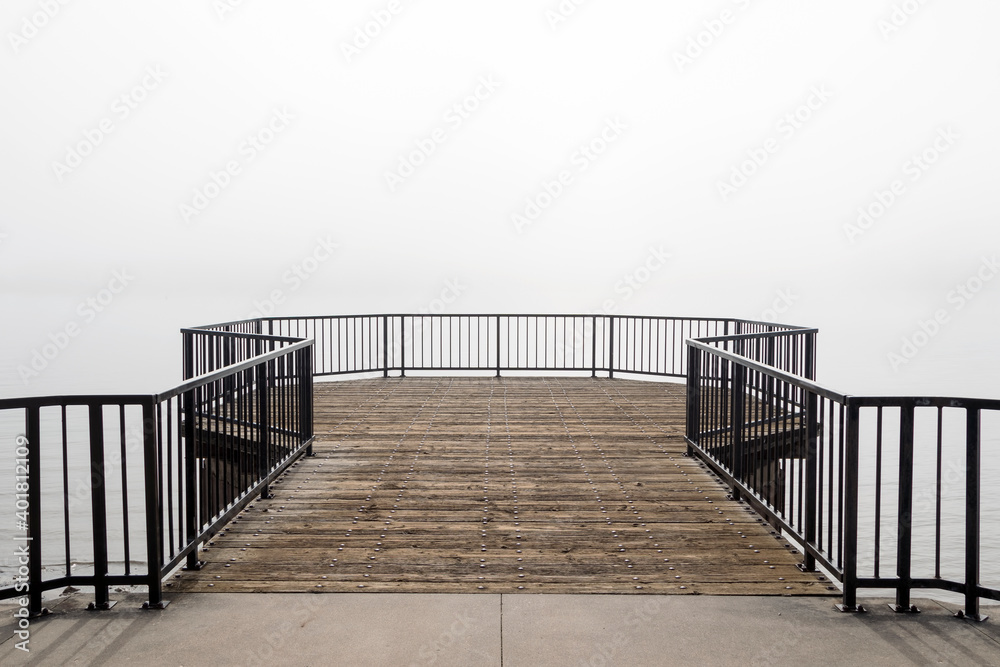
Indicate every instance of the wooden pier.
{"type": "Point", "coordinates": [464, 485]}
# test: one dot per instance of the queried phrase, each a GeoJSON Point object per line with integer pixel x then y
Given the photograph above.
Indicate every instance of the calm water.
{"type": "Point", "coordinates": [115, 355]}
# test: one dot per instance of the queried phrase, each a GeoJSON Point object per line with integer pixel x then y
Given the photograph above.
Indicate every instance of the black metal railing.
{"type": "Point", "coordinates": [827, 468]}
{"type": "Point", "coordinates": [797, 451]}
{"type": "Point", "coordinates": [135, 484]}
{"type": "Point", "coordinates": [645, 345]}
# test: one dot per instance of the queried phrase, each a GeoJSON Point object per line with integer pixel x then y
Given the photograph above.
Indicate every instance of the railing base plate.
{"type": "Point", "coordinates": [856, 609]}
{"type": "Point", "coordinates": [804, 568]}
{"type": "Point", "coordinates": [197, 566]}
{"type": "Point", "coordinates": [978, 618]}
{"type": "Point", "coordinates": [39, 614]}
{"type": "Point", "coordinates": [93, 606]}
{"type": "Point", "coordinates": [162, 604]}
{"type": "Point", "coordinates": [901, 609]}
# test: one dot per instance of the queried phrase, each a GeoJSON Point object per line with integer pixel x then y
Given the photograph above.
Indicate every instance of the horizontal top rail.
{"type": "Point", "coordinates": [239, 334]}
{"type": "Point", "coordinates": [72, 399]}
{"type": "Point", "coordinates": [927, 401]}
{"type": "Point", "coordinates": [228, 371]}
{"type": "Point", "coordinates": [763, 334]}
{"type": "Point", "coordinates": [508, 314]}
{"type": "Point", "coordinates": [771, 371]}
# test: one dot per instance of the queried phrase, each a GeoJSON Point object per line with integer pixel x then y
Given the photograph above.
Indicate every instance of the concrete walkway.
{"type": "Point", "coordinates": [412, 629]}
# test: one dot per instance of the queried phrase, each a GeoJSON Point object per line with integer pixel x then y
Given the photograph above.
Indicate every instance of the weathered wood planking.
{"type": "Point", "coordinates": [562, 485]}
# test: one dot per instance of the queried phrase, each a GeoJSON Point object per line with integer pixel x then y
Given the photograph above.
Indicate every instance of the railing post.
{"type": "Point", "coordinates": [850, 520]}
{"type": "Point", "coordinates": [810, 356]}
{"type": "Point", "coordinates": [593, 346]}
{"type": "Point", "coordinates": [385, 346]}
{"type": "Point", "coordinates": [306, 397]}
{"type": "Point", "coordinates": [737, 415]}
{"type": "Point", "coordinates": [904, 521]}
{"type": "Point", "coordinates": [191, 496]}
{"type": "Point", "coordinates": [188, 352]}
{"type": "Point", "coordinates": [264, 426]}
{"type": "Point", "coordinates": [611, 346]}
{"type": "Point", "coordinates": [154, 508]}
{"type": "Point", "coordinates": [972, 512]}
{"type": "Point", "coordinates": [402, 346]}
{"type": "Point", "coordinates": [693, 396]}
{"type": "Point", "coordinates": [498, 346]}
{"type": "Point", "coordinates": [33, 432]}
{"type": "Point", "coordinates": [812, 477]}
{"type": "Point", "coordinates": [99, 510]}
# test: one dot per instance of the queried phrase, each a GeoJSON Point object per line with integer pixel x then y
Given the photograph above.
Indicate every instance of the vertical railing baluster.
{"type": "Point", "coordinates": [98, 503]}
{"type": "Point", "coordinates": [154, 506]}
{"type": "Point", "coordinates": [593, 346]}
{"type": "Point", "coordinates": [611, 346]}
{"type": "Point", "coordinates": [693, 397]}
{"type": "Point", "coordinates": [849, 518]}
{"type": "Point", "coordinates": [402, 345]}
{"type": "Point", "coordinates": [385, 346]}
{"type": "Point", "coordinates": [264, 425]}
{"type": "Point", "coordinates": [191, 495]}
{"type": "Point", "coordinates": [737, 418]}
{"type": "Point", "coordinates": [306, 398]}
{"type": "Point", "coordinates": [904, 515]}
{"type": "Point", "coordinates": [34, 544]}
{"type": "Point", "coordinates": [812, 476]}
{"type": "Point", "coordinates": [972, 513]}
{"type": "Point", "coordinates": [498, 345]}
{"type": "Point", "coordinates": [188, 355]}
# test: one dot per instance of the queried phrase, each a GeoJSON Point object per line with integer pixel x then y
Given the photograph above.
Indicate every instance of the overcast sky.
{"type": "Point", "coordinates": [834, 164]}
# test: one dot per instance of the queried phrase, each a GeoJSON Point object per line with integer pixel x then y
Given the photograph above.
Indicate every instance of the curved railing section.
{"type": "Point", "coordinates": [605, 344]}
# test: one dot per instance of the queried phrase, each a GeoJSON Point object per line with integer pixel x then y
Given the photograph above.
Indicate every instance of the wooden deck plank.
{"type": "Point", "coordinates": [567, 485]}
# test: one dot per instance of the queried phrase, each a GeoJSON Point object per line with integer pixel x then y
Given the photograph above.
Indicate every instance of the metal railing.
{"type": "Point", "coordinates": [393, 343]}
{"type": "Point", "coordinates": [206, 448]}
{"type": "Point", "coordinates": [827, 468]}
{"type": "Point", "coordinates": [788, 446]}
